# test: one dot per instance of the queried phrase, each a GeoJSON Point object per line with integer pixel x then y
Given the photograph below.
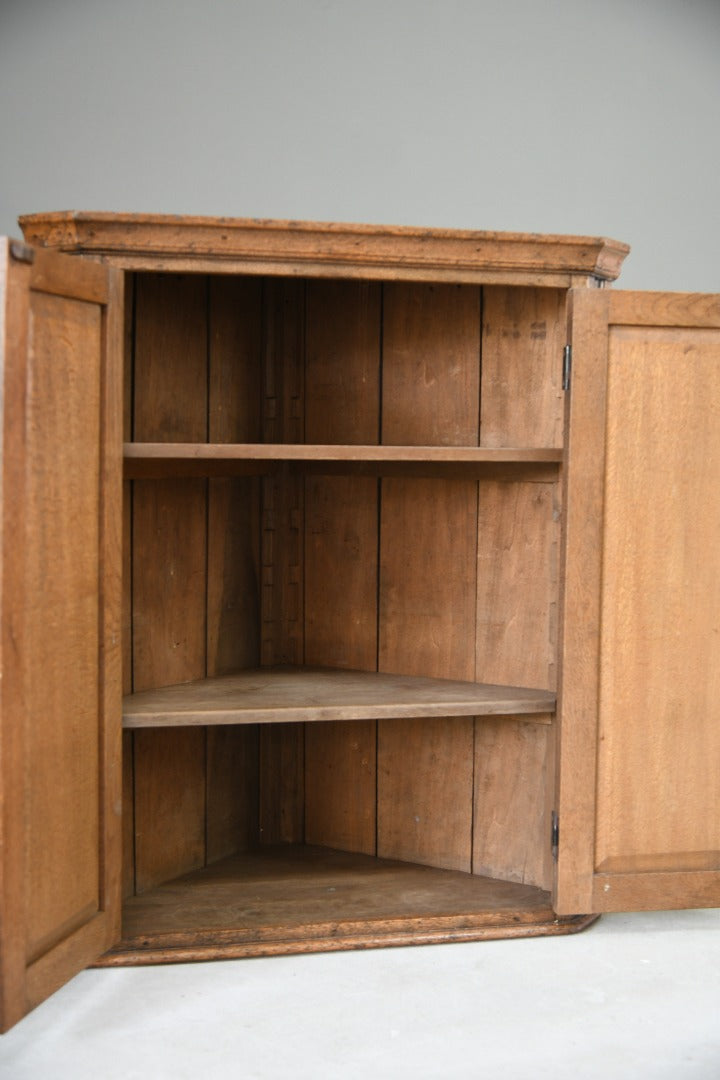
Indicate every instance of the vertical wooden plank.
{"type": "Point", "coordinates": [511, 832]}
{"type": "Point", "coordinates": [522, 346]}
{"type": "Point", "coordinates": [431, 364]}
{"type": "Point", "coordinates": [342, 371]}
{"type": "Point", "coordinates": [428, 578]}
{"type": "Point", "coordinates": [342, 383]}
{"type": "Point", "coordinates": [427, 626]}
{"type": "Point", "coordinates": [282, 784]}
{"type": "Point", "coordinates": [169, 571]}
{"type": "Point", "coordinates": [128, 797]}
{"type": "Point", "coordinates": [169, 647]}
{"type": "Point", "coordinates": [282, 746]}
{"type": "Point", "coordinates": [517, 584]}
{"type": "Point", "coordinates": [233, 602]}
{"type": "Point", "coordinates": [232, 790]}
{"type": "Point", "coordinates": [340, 781]}
{"type": "Point", "coordinates": [424, 816]}
{"type": "Point", "coordinates": [169, 804]}
{"type": "Point", "coordinates": [431, 382]}
{"type": "Point", "coordinates": [518, 538]}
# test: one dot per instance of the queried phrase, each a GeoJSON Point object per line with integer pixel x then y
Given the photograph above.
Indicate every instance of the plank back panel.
{"type": "Point", "coordinates": [522, 348]}
{"type": "Point", "coordinates": [342, 384]}
{"type": "Point", "coordinates": [282, 768]}
{"type": "Point", "coordinates": [169, 571]}
{"type": "Point", "coordinates": [431, 370]}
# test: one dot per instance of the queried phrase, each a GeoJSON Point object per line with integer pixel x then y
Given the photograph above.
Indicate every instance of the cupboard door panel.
{"type": "Point", "coordinates": [640, 706]}
{"type": "Point", "coordinates": [61, 747]}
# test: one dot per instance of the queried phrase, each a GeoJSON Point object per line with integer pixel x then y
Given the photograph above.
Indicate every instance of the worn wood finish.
{"type": "Point", "coordinates": [342, 406]}
{"type": "Point", "coordinates": [522, 346]}
{"type": "Point", "coordinates": [61, 643]}
{"type": "Point", "coordinates": [169, 571]}
{"type": "Point", "coordinates": [421, 817]}
{"type": "Point", "coordinates": [232, 790]}
{"type": "Point", "coordinates": [289, 900]}
{"type": "Point", "coordinates": [427, 589]}
{"type": "Point", "coordinates": [431, 371]}
{"type": "Point", "coordinates": [511, 823]}
{"type": "Point", "coordinates": [341, 785]}
{"type": "Point", "coordinates": [653, 621]}
{"type": "Point", "coordinates": [428, 541]}
{"type": "Point", "coordinates": [295, 695]}
{"type": "Point", "coordinates": [517, 580]}
{"type": "Point", "coordinates": [233, 563]}
{"type": "Point", "coordinates": [169, 804]}
{"type": "Point", "coordinates": [324, 249]}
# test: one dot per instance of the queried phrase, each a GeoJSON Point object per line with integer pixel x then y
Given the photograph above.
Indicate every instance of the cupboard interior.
{"type": "Point", "coordinates": [281, 836]}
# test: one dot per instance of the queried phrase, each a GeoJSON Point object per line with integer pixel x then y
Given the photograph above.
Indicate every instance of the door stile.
{"type": "Point", "coordinates": [580, 602]}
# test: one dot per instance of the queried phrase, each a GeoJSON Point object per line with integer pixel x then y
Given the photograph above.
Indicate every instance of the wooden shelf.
{"type": "Point", "coordinates": [280, 695]}
{"type": "Point", "coordinates": [218, 459]}
{"type": "Point", "coordinates": [292, 898]}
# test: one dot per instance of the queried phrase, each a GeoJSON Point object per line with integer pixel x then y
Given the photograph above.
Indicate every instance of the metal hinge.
{"type": "Point", "coordinates": [555, 834]}
{"type": "Point", "coordinates": [567, 364]}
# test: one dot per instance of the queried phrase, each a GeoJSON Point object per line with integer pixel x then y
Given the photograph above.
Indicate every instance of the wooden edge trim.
{"type": "Point", "coordinates": [664, 309]}
{"type": "Point", "coordinates": [580, 601]}
{"type": "Point", "coordinates": [402, 249]}
{"type": "Point", "coordinates": [74, 278]}
{"type": "Point", "coordinates": [110, 598]}
{"type": "Point", "coordinates": [337, 940]}
{"type": "Point", "coordinates": [14, 318]}
{"type": "Point", "coordinates": [654, 891]}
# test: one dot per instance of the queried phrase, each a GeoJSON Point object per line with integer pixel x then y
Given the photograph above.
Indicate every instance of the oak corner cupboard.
{"type": "Point", "coordinates": [360, 587]}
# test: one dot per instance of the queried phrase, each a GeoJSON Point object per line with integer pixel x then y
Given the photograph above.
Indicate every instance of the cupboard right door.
{"type": "Point", "coordinates": [639, 712]}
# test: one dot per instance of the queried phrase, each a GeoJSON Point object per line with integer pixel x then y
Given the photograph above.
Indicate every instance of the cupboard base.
{"type": "Point", "coordinates": [298, 899]}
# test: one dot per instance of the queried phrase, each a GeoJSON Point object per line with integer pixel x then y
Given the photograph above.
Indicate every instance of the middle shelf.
{"type": "Point", "coordinates": [146, 459]}
{"type": "Point", "coordinates": [284, 694]}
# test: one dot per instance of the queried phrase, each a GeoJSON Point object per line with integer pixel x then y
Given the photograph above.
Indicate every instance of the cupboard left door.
{"type": "Point", "coordinates": [60, 585]}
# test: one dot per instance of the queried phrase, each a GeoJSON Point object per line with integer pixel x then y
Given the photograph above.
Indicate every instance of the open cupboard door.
{"type": "Point", "coordinates": [61, 559]}
{"type": "Point", "coordinates": [639, 789]}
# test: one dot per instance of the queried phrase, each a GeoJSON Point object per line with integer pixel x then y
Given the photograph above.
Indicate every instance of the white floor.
{"type": "Point", "coordinates": [636, 996]}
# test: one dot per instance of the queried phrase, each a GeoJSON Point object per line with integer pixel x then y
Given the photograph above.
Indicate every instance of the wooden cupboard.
{"type": "Point", "coordinates": [359, 585]}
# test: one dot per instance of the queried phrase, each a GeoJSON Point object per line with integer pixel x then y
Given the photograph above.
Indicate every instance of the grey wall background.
{"type": "Point", "coordinates": [578, 116]}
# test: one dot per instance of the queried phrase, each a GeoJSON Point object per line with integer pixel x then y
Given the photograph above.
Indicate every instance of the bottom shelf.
{"type": "Point", "coordinates": [292, 899]}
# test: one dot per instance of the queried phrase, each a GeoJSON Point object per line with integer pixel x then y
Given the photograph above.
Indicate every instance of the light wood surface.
{"type": "Point", "coordinates": [60, 751]}
{"type": "Point", "coordinates": [305, 694]}
{"type": "Point", "coordinates": [651, 725]}
{"type": "Point", "coordinates": [382, 252]}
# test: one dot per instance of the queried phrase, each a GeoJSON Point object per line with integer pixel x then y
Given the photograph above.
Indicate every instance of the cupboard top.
{"type": "Point", "coordinates": [249, 245]}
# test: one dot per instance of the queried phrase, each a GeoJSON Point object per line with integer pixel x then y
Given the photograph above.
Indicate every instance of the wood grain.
{"type": "Point", "coordinates": [517, 583]}
{"type": "Point", "coordinates": [511, 830]}
{"type": "Point", "coordinates": [340, 785]}
{"type": "Point", "coordinates": [325, 249]}
{"type": "Point", "coordinates": [524, 333]}
{"type": "Point", "coordinates": [169, 571]}
{"type": "Point", "coordinates": [421, 817]}
{"type": "Point", "coordinates": [60, 833]}
{"type": "Point", "coordinates": [431, 369]}
{"type": "Point", "coordinates": [294, 695]}
{"type": "Point", "coordinates": [661, 596]}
